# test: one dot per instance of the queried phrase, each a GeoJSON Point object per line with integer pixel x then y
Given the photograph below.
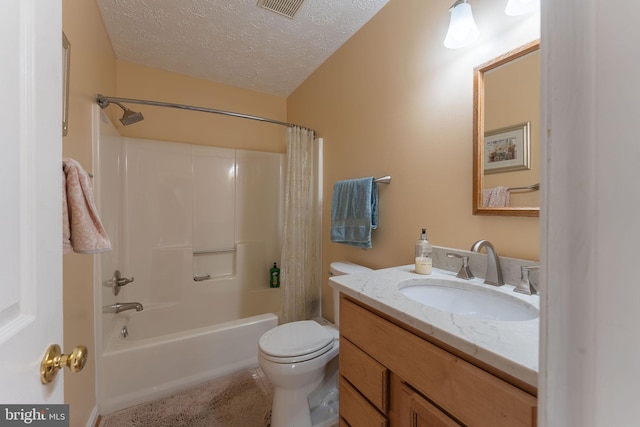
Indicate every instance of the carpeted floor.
{"type": "Point", "coordinates": [242, 399]}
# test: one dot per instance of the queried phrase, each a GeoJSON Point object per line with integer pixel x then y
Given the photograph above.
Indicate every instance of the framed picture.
{"type": "Point", "coordinates": [66, 62]}
{"type": "Point", "coordinates": [507, 149]}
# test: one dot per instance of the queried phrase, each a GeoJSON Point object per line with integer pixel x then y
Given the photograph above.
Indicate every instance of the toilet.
{"type": "Point", "coordinates": [300, 359]}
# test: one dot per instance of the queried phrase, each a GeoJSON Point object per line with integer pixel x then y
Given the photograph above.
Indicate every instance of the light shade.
{"type": "Point", "coordinates": [520, 7]}
{"type": "Point", "coordinates": [462, 27]}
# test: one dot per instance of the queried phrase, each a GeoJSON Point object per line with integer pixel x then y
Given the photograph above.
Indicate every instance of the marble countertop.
{"type": "Point", "coordinates": [510, 346]}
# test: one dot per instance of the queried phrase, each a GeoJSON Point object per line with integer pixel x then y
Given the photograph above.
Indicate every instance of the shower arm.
{"type": "Point", "coordinates": [104, 101]}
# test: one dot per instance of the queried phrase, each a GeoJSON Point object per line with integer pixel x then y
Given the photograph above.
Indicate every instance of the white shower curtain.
{"type": "Point", "coordinates": [301, 248]}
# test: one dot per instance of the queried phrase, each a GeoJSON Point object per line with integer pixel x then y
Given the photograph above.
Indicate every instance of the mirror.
{"type": "Point", "coordinates": [506, 134]}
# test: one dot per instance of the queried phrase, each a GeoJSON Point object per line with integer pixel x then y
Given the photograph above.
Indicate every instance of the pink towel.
{"type": "Point", "coordinates": [497, 197]}
{"type": "Point", "coordinates": [82, 230]}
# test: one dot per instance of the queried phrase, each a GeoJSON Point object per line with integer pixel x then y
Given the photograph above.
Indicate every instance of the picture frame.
{"type": "Point", "coordinates": [507, 149]}
{"type": "Point", "coordinates": [66, 66]}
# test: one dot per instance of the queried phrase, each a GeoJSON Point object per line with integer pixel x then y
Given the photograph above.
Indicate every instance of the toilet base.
{"type": "Point", "coordinates": [323, 402]}
{"type": "Point", "coordinates": [291, 408]}
{"type": "Point", "coordinates": [315, 405]}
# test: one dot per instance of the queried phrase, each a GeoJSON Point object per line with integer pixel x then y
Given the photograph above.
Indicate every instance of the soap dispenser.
{"type": "Point", "coordinates": [423, 254]}
{"type": "Point", "coordinates": [423, 247]}
{"type": "Point", "coordinates": [274, 274]}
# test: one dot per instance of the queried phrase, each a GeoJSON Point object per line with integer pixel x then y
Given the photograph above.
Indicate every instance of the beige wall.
{"type": "Point", "coordinates": [168, 124]}
{"type": "Point", "coordinates": [93, 69]}
{"type": "Point", "coordinates": [394, 101]}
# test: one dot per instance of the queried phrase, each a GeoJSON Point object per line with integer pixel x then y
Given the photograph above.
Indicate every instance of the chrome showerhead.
{"type": "Point", "coordinates": [130, 117]}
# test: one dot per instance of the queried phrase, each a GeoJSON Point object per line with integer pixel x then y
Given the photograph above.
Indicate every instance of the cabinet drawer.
{"type": "Point", "coordinates": [356, 410]}
{"type": "Point", "coordinates": [470, 394]}
{"type": "Point", "coordinates": [367, 375]}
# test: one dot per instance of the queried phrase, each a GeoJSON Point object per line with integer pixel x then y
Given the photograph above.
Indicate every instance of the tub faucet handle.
{"type": "Point", "coordinates": [124, 281]}
{"type": "Point", "coordinates": [465, 271]}
{"type": "Point", "coordinates": [117, 281]}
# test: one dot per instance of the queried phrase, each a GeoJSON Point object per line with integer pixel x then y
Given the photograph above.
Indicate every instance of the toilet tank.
{"type": "Point", "coordinates": [340, 268]}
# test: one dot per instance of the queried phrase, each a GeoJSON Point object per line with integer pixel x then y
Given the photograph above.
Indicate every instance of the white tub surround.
{"type": "Point", "coordinates": [508, 346]}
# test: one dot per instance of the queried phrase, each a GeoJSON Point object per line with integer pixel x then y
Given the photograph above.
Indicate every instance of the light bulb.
{"type": "Point", "coordinates": [520, 7]}
{"type": "Point", "coordinates": [462, 27]}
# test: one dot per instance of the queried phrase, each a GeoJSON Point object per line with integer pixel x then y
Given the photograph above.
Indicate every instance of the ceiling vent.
{"type": "Point", "coordinates": [286, 8]}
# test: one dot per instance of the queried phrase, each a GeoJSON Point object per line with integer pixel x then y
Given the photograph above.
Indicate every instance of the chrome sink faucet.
{"type": "Point", "coordinates": [122, 306]}
{"type": "Point", "coordinates": [494, 271]}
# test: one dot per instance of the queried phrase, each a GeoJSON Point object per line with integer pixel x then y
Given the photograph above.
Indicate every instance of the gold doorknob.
{"type": "Point", "coordinates": [54, 359]}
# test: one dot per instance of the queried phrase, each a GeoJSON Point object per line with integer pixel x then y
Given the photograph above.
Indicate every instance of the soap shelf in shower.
{"type": "Point", "coordinates": [210, 264]}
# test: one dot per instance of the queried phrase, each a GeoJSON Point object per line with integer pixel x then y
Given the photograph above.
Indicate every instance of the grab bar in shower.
{"type": "Point", "coordinates": [214, 251]}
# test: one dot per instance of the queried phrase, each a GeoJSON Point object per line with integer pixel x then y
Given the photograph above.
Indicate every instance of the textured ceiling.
{"type": "Point", "coordinates": [234, 42]}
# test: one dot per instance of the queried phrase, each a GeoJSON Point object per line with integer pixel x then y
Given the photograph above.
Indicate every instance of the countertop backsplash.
{"type": "Point", "coordinates": [478, 264]}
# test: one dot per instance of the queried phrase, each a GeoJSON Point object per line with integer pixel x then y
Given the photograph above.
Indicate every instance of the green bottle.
{"type": "Point", "coordinates": [275, 276]}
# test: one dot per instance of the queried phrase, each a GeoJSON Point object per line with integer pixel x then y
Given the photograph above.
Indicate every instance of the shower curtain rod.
{"type": "Point", "coordinates": [104, 101]}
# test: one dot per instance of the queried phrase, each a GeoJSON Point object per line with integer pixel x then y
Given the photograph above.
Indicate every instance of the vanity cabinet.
{"type": "Point", "coordinates": [390, 376]}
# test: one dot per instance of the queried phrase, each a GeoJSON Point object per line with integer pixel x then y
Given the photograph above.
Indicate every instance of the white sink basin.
{"type": "Point", "coordinates": [469, 300]}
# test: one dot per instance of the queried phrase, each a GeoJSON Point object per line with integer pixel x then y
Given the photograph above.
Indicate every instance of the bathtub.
{"type": "Point", "coordinates": [147, 365]}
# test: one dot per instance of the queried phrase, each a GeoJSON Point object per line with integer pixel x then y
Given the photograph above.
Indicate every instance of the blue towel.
{"type": "Point", "coordinates": [354, 212]}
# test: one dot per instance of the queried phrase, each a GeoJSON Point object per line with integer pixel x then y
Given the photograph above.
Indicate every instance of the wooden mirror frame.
{"type": "Point", "coordinates": [478, 134]}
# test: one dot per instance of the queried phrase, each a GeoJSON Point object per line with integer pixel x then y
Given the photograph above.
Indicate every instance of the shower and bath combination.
{"type": "Point", "coordinates": [180, 312]}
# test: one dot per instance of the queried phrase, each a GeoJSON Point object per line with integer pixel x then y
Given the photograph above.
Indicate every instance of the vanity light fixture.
{"type": "Point", "coordinates": [462, 27]}
{"type": "Point", "coordinates": [521, 7]}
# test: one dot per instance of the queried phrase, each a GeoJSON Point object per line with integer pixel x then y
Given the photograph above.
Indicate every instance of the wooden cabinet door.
{"type": "Point", "coordinates": [423, 414]}
{"type": "Point", "coordinates": [410, 409]}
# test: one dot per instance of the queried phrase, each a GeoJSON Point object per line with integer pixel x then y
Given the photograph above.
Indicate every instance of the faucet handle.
{"type": "Point", "coordinates": [526, 286]}
{"type": "Point", "coordinates": [124, 281]}
{"type": "Point", "coordinates": [117, 281]}
{"type": "Point", "coordinates": [465, 271]}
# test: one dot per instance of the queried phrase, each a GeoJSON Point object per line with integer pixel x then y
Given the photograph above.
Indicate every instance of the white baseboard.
{"type": "Point", "coordinates": [91, 422]}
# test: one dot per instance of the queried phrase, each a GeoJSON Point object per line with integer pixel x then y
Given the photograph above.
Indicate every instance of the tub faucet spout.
{"type": "Point", "coordinates": [494, 270]}
{"type": "Point", "coordinates": [122, 306]}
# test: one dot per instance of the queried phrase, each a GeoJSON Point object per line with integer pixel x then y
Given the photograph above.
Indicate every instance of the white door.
{"type": "Point", "coordinates": [30, 197]}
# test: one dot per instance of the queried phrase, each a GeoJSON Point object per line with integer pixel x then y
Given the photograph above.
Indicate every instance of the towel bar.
{"type": "Point", "coordinates": [528, 187]}
{"type": "Point", "coordinates": [383, 180]}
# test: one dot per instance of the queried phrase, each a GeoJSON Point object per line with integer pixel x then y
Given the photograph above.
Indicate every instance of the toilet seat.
{"type": "Point", "coordinates": [295, 342]}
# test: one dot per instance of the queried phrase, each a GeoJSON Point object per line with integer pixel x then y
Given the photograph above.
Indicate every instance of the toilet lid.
{"type": "Point", "coordinates": [295, 339]}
